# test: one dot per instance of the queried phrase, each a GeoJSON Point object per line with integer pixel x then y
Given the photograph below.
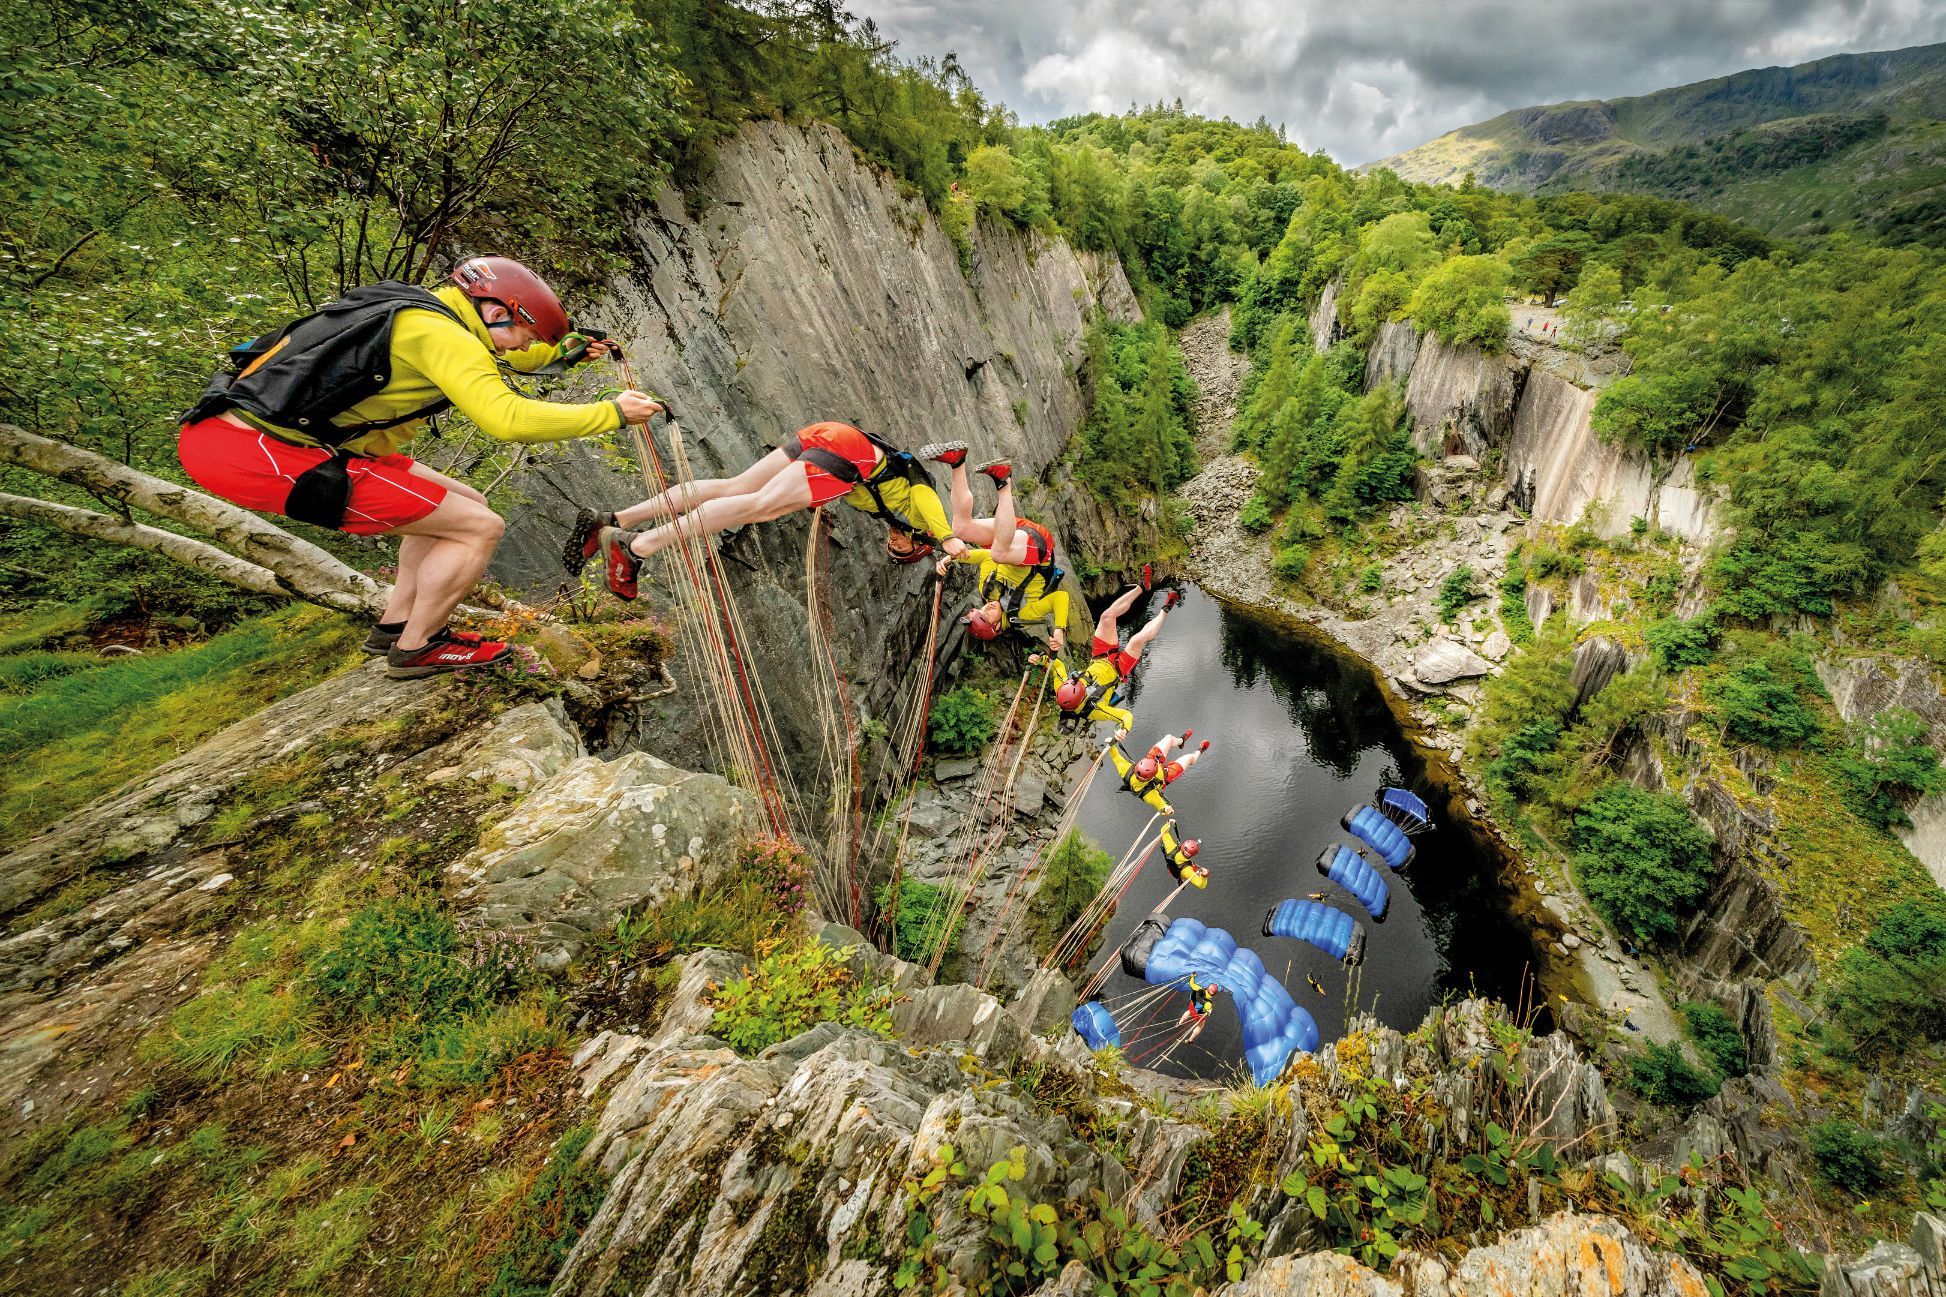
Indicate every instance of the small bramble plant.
{"type": "Point", "coordinates": [791, 989]}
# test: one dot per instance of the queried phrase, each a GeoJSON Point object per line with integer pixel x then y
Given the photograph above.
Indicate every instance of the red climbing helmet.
{"type": "Point", "coordinates": [1146, 768]}
{"type": "Point", "coordinates": [979, 627]}
{"type": "Point", "coordinates": [1071, 694]}
{"type": "Point", "coordinates": [1190, 846]}
{"type": "Point", "coordinates": [903, 548]}
{"type": "Point", "coordinates": [520, 290]}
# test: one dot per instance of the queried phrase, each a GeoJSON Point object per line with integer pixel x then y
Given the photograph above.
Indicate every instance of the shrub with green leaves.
{"type": "Point", "coordinates": [1762, 699]}
{"type": "Point", "coordinates": [1680, 642]}
{"type": "Point", "coordinates": [1716, 1037]}
{"type": "Point", "coordinates": [792, 988]}
{"type": "Point", "coordinates": [1456, 592]}
{"type": "Point", "coordinates": [1847, 1157]}
{"type": "Point", "coordinates": [1662, 1075]}
{"type": "Point", "coordinates": [1513, 607]}
{"type": "Point", "coordinates": [1641, 858]}
{"type": "Point", "coordinates": [961, 722]}
{"type": "Point", "coordinates": [1890, 990]}
{"type": "Point", "coordinates": [1292, 562]}
{"type": "Point", "coordinates": [1887, 762]}
{"type": "Point", "coordinates": [1074, 873]}
{"type": "Point", "coordinates": [927, 916]}
{"type": "Point", "coordinates": [1256, 516]}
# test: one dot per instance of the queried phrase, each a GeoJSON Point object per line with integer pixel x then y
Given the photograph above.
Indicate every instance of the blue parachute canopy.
{"type": "Point", "coordinates": [1330, 929]}
{"type": "Point", "coordinates": [1351, 871]}
{"type": "Point", "coordinates": [1096, 1029]}
{"type": "Point", "coordinates": [1273, 1025]}
{"type": "Point", "coordinates": [1405, 809]}
{"type": "Point", "coordinates": [1380, 834]}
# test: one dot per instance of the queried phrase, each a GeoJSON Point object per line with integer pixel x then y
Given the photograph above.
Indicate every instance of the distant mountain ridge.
{"type": "Point", "coordinates": [1849, 139]}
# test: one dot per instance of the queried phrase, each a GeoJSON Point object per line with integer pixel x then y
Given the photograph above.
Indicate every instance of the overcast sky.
{"type": "Point", "coordinates": [1364, 79]}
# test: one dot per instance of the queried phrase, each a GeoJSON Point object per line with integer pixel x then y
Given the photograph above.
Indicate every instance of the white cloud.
{"type": "Point", "coordinates": [1365, 78]}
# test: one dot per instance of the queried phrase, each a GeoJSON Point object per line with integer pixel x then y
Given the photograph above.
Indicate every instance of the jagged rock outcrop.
{"type": "Point", "coordinates": [1462, 399]}
{"type": "Point", "coordinates": [793, 283]}
{"type": "Point", "coordinates": [1559, 469]}
{"type": "Point", "coordinates": [598, 840]}
{"type": "Point", "coordinates": [1863, 688]}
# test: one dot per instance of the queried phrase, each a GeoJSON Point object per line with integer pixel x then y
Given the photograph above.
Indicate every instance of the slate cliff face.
{"type": "Point", "coordinates": [796, 283]}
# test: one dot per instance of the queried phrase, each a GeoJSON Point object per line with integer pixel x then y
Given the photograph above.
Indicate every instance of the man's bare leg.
{"type": "Point", "coordinates": [683, 498]}
{"type": "Point", "coordinates": [1106, 624]}
{"type": "Point", "coordinates": [786, 492]}
{"type": "Point", "coordinates": [972, 530]}
{"type": "Point", "coordinates": [1010, 541]}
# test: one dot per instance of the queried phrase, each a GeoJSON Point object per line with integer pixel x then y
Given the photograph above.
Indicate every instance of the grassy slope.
{"type": "Point", "coordinates": [1568, 145]}
{"type": "Point", "coordinates": [78, 725]}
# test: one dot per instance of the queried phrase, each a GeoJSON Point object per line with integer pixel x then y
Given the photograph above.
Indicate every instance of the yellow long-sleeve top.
{"type": "Point", "coordinates": [998, 581]}
{"type": "Point", "coordinates": [916, 504]}
{"type": "Point", "coordinates": [1101, 674]}
{"type": "Point", "coordinates": [432, 355]}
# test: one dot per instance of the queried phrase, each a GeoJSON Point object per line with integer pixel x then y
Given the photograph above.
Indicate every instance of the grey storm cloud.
{"type": "Point", "coordinates": [1362, 79]}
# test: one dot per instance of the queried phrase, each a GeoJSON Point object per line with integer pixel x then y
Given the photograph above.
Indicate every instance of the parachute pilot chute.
{"type": "Point", "coordinates": [1097, 1029]}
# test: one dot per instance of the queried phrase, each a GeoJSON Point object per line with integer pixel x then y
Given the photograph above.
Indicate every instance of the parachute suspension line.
{"type": "Point", "coordinates": [838, 879]}
{"type": "Point", "coordinates": [1076, 938]}
{"type": "Point", "coordinates": [1070, 812]}
{"type": "Point", "coordinates": [788, 798]}
{"type": "Point", "coordinates": [973, 840]}
{"type": "Point", "coordinates": [908, 749]}
{"type": "Point", "coordinates": [711, 634]}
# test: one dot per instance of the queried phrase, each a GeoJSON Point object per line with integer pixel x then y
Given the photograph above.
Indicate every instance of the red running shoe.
{"type": "Point", "coordinates": [382, 639]}
{"type": "Point", "coordinates": [999, 470]}
{"type": "Point", "coordinates": [623, 565]}
{"type": "Point", "coordinates": [1148, 578]}
{"type": "Point", "coordinates": [446, 651]}
{"type": "Point", "coordinates": [584, 540]}
{"type": "Point", "coordinates": [950, 453]}
{"type": "Point", "coordinates": [1171, 599]}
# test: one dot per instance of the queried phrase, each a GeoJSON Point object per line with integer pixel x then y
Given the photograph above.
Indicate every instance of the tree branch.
{"type": "Point", "coordinates": [100, 526]}
{"type": "Point", "coordinates": [301, 568]}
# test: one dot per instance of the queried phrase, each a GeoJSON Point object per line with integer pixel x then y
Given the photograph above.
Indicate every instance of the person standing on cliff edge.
{"type": "Point", "coordinates": [308, 422]}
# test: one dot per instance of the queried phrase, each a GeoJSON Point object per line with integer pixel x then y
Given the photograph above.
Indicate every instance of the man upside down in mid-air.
{"type": "Point", "coordinates": [818, 464]}
{"type": "Point", "coordinates": [1095, 692]}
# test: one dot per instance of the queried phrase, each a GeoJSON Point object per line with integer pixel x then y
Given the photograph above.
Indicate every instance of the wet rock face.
{"type": "Point", "coordinates": [795, 284]}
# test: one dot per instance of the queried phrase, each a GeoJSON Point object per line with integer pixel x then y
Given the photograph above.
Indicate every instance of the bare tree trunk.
{"type": "Point", "coordinates": [101, 526]}
{"type": "Point", "coordinates": [298, 567]}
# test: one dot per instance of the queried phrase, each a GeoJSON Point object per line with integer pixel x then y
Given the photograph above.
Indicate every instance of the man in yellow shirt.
{"type": "Point", "coordinates": [1019, 585]}
{"type": "Point", "coordinates": [311, 421]}
{"type": "Point", "coordinates": [1095, 693]}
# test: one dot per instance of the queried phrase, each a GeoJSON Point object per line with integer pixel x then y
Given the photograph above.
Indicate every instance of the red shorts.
{"type": "Point", "coordinates": [1108, 648]}
{"type": "Point", "coordinates": [256, 470]}
{"type": "Point", "coordinates": [840, 439]}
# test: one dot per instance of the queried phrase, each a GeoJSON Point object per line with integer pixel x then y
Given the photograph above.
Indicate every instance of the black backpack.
{"type": "Point", "coordinates": [314, 369]}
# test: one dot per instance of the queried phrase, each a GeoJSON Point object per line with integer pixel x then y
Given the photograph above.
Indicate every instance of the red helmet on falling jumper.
{"type": "Point", "coordinates": [1071, 694]}
{"type": "Point", "coordinates": [1146, 768]}
{"type": "Point", "coordinates": [979, 627]}
{"type": "Point", "coordinates": [903, 547]}
{"type": "Point", "coordinates": [520, 290]}
{"type": "Point", "coordinates": [1190, 846]}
